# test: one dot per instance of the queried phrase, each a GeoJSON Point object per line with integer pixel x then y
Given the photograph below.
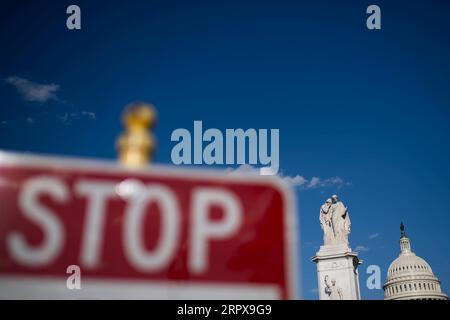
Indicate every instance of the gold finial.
{"type": "Point", "coordinates": [136, 145]}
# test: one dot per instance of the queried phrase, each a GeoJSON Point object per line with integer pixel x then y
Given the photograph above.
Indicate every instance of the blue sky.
{"type": "Point", "coordinates": [369, 107]}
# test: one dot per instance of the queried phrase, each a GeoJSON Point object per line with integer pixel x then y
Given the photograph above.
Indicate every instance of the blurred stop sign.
{"type": "Point", "coordinates": [155, 233]}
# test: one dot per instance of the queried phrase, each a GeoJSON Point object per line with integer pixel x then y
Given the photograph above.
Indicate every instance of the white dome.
{"type": "Point", "coordinates": [408, 264]}
{"type": "Point", "coordinates": [410, 277]}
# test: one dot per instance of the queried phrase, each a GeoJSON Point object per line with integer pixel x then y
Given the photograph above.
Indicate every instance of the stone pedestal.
{"type": "Point", "coordinates": [338, 264]}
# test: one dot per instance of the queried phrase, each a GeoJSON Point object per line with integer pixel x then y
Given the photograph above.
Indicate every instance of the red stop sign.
{"type": "Point", "coordinates": [153, 233]}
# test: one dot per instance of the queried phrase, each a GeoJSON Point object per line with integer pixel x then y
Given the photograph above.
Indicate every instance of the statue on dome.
{"type": "Point", "coordinates": [402, 230]}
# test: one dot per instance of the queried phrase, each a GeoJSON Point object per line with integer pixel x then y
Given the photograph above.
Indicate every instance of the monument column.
{"type": "Point", "coordinates": [337, 264]}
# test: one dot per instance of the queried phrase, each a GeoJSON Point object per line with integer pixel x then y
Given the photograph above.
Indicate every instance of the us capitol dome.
{"type": "Point", "coordinates": [410, 277]}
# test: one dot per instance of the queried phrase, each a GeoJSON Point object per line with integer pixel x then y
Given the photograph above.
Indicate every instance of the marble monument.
{"type": "Point", "coordinates": [336, 262]}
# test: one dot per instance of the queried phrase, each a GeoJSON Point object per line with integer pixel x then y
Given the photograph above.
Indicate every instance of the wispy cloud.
{"type": "Point", "coordinates": [243, 169]}
{"type": "Point", "coordinates": [30, 120]}
{"type": "Point", "coordinates": [32, 91]}
{"type": "Point", "coordinates": [361, 248]}
{"type": "Point", "coordinates": [314, 182]}
{"type": "Point", "coordinates": [90, 115]}
{"type": "Point", "coordinates": [65, 118]}
{"type": "Point", "coordinates": [294, 181]}
{"type": "Point", "coordinates": [314, 290]}
{"type": "Point", "coordinates": [69, 117]}
{"type": "Point", "coordinates": [317, 182]}
{"type": "Point", "coordinates": [373, 236]}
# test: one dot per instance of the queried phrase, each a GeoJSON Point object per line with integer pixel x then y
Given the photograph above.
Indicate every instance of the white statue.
{"type": "Point", "coordinates": [326, 223]}
{"type": "Point", "coordinates": [334, 292]}
{"type": "Point", "coordinates": [335, 222]}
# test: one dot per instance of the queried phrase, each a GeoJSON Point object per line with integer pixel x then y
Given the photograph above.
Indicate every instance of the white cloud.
{"type": "Point", "coordinates": [314, 183]}
{"type": "Point", "coordinates": [243, 169]}
{"type": "Point", "coordinates": [90, 115]}
{"type": "Point", "coordinates": [32, 91]}
{"type": "Point", "coordinates": [373, 236]}
{"type": "Point", "coordinates": [294, 181]}
{"type": "Point", "coordinates": [361, 248]}
{"type": "Point", "coordinates": [68, 117]}
{"type": "Point", "coordinates": [246, 169]}
{"type": "Point", "coordinates": [314, 290]}
{"type": "Point", "coordinates": [317, 182]}
{"type": "Point", "coordinates": [30, 120]}
{"type": "Point", "coordinates": [65, 118]}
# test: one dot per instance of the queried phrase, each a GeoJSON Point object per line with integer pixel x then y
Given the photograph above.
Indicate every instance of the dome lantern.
{"type": "Point", "coordinates": [405, 245]}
